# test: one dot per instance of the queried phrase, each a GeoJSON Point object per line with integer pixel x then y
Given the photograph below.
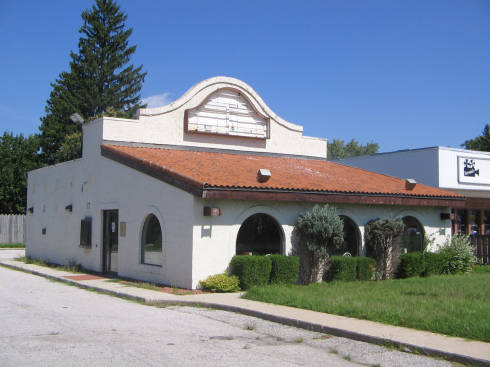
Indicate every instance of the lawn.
{"type": "Point", "coordinates": [457, 305]}
{"type": "Point", "coordinates": [12, 245]}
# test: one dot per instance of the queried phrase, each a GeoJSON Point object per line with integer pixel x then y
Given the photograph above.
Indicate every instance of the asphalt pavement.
{"type": "Point", "coordinates": [46, 323]}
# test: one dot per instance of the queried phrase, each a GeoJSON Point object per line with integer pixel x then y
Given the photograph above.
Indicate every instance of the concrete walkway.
{"type": "Point", "coordinates": [452, 348]}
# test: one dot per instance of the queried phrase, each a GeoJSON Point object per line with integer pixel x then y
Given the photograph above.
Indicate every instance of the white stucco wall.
{"type": "Point", "coordinates": [97, 184]}
{"type": "Point", "coordinates": [215, 237]}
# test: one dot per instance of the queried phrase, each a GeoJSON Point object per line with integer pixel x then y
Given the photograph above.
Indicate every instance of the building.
{"type": "Point", "coordinates": [173, 194]}
{"type": "Point", "coordinates": [465, 172]}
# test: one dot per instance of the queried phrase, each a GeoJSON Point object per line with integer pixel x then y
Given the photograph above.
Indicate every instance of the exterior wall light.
{"type": "Point", "coordinates": [211, 212]}
{"type": "Point", "coordinates": [31, 210]}
{"type": "Point", "coordinates": [69, 208]}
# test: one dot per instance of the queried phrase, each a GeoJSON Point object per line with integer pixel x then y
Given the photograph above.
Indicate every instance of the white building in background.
{"type": "Point", "coordinates": [173, 194]}
{"type": "Point", "coordinates": [465, 172]}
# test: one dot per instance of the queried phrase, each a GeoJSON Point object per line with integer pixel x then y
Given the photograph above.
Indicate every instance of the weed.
{"type": "Point", "coordinates": [347, 358]}
{"type": "Point", "coordinates": [299, 340]}
{"type": "Point", "coordinates": [322, 337]}
{"type": "Point", "coordinates": [250, 325]}
{"type": "Point", "coordinates": [334, 351]}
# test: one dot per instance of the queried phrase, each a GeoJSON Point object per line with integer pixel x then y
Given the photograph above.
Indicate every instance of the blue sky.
{"type": "Point", "coordinates": [405, 74]}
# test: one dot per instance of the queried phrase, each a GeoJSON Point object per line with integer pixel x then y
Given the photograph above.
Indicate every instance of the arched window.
{"type": "Point", "coordinates": [351, 238]}
{"type": "Point", "coordinates": [259, 234]}
{"type": "Point", "coordinates": [151, 242]}
{"type": "Point", "coordinates": [413, 235]}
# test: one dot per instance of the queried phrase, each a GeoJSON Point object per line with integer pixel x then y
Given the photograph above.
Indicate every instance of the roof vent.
{"type": "Point", "coordinates": [410, 183]}
{"type": "Point", "coordinates": [263, 175]}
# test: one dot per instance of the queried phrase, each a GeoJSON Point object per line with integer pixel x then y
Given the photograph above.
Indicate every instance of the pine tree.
{"type": "Point", "coordinates": [100, 80]}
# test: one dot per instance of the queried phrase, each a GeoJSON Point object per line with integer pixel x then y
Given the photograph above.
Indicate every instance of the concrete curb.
{"type": "Point", "coordinates": [407, 347]}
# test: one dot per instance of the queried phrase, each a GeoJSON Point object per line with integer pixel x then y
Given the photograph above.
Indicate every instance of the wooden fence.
{"type": "Point", "coordinates": [482, 246]}
{"type": "Point", "coordinates": [12, 228]}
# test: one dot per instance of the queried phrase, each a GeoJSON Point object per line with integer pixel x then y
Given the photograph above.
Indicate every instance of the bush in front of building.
{"type": "Point", "coordinates": [251, 270]}
{"type": "Point", "coordinates": [459, 255]}
{"type": "Point", "coordinates": [320, 231]}
{"type": "Point", "coordinates": [342, 268]}
{"type": "Point", "coordinates": [434, 263]}
{"type": "Point", "coordinates": [380, 235]}
{"type": "Point", "coordinates": [284, 269]}
{"type": "Point", "coordinates": [411, 265]}
{"type": "Point", "coordinates": [220, 283]}
{"type": "Point", "coordinates": [365, 267]}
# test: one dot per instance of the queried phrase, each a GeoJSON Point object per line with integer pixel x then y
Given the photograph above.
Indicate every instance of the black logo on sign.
{"type": "Point", "coordinates": [469, 168]}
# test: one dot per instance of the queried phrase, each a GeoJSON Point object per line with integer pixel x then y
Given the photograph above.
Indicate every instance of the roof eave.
{"type": "Point", "coordinates": [332, 197]}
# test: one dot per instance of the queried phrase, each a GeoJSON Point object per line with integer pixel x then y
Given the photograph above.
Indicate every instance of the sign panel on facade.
{"type": "Point", "coordinates": [473, 170]}
{"type": "Point", "coordinates": [227, 112]}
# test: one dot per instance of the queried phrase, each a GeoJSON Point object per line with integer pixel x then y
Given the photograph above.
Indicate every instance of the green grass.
{"type": "Point", "coordinates": [72, 267]}
{"type": "Point", "coordinates": [481, 269]}
{"type": "Point", "coordinates": [12, 245]}
{"type": "Point", "coordinates": [457, 305]}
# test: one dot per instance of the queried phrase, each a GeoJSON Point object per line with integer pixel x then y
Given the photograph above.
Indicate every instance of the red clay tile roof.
{"type": "Point", "coordinates": [204, 170]}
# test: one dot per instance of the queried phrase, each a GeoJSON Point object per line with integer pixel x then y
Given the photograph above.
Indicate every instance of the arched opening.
{"type": "Point", "coordinates": [352, 237]}
{"type": "Point", "coordinates": [151, 242]}
{"type": "Point", "coordinates": [259, 234]}
{"type": "Point", "coordinates": [413, 235]}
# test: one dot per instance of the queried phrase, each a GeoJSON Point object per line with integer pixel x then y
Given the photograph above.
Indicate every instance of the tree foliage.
{"type": "Point", "coordinates": [337, 149]}
{"type": "Point", "coordinates": [100, 81]}
{"type": "Point", "coordinates": [380, 235]}
{"type": "Point", "coordinates": [320, 232]}
{"type": "Point", "coordinates": [481, 142]}
{"type": "Point", "coordinates": [18, 156]}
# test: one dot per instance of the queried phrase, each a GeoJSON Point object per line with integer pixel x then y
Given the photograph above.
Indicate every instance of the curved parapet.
{"type": "Point", "coordinates": [217, 113]}
{"type": "Point", "coordinates": [197, 95]}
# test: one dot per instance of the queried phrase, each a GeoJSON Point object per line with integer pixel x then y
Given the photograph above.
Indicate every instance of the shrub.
{"type": "Point", "coordinates": [365, 267]}
{"type": "Point", "coordinates": [434, 263]}
{"type": "Point", "coordinates": [342, 268]}
{"type": "Point", "coordinates": [380, 235]}
{"type": "Point", "coordinates": [284, 269]}
{"type": "Point", "coordinates": [459, 255]}
{"type": "Point", "coordinates": [220, 283]}
{"type": "Point", "coordinates": [320, 231]}
{"type": "Point", "coordinates": [481, 269]}
{"type": "Point", "coordinates": [411, 265]}
{"type": "Point", "coordinates": [251, 270]}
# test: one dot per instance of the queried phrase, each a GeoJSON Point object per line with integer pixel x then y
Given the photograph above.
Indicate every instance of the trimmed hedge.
{"type": "Point", "coordinates": [434, 263]}
{"type": "Point", "coordinates": [342, 268]}
{"type": "Point", "coordinates": [251, 270]}
{"type": "Point", "coordinates": [416, 264]}
{"type": "Point", "coordinates": [284, 270]}
{"type": "Point", "coordinates": [411, 265]}
{"type": "Point", "coordinates": [365, 267]}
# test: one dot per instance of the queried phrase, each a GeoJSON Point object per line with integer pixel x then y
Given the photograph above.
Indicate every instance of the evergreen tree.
{"type": "Point", "coordinates": [100, 80]}
{"type": "Point", "coordinates": [18, 156]}
{"type": "Point", "coordinates": [337, 149]}
{"type": "Point", "coordinates": [481, 142]}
